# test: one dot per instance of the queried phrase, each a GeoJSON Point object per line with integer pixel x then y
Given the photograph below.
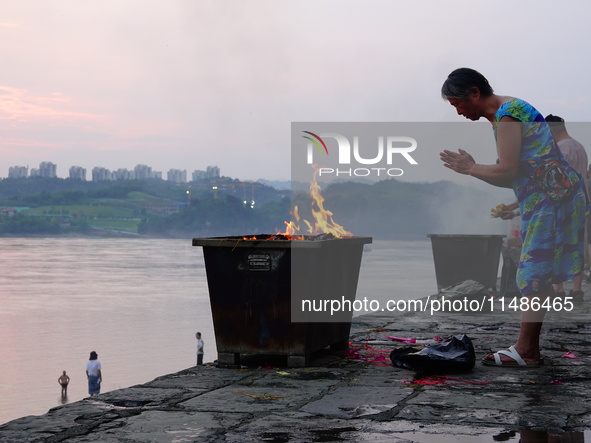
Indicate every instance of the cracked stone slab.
{"type": "Point", "coordinates": [315, 379]}
{"type": "Point", "coordinates": [471, 398]}
{"type": "Point", "coordinates": [541, 417]}
{"type": "Point", "coordinates": [207, 378]}
{"type": "Point", "coordinates": [356, 401]}
{"type": "Point", "coordinates": [249, 399]}
{"type": "Point", "coordinates": [164, 426]}
{"type": "Point", "coordinates": [139, 396]}
{"type": "Point", "coordinates": [296, 428]}
{"type": "Point", "coordinates": [408, 431]}
{"type": "Point", "coordinates": [24, 437]}
{"type": "Point", "coordinates": [492, 398]}
{"type": "Point", "coordinates": [526, 408]}
{"type": "Point", "coordinates": [444, 415]}
{"type": "Point", "coordinates": [378, 376]}
{"type": "Point", "coordinates": [73, 418]}
{"type": "Point", "coordinates": [582, 421]}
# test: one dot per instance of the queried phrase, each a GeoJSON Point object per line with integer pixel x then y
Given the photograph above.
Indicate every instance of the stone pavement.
{"type": "Point", "coordinates": [351, 399]}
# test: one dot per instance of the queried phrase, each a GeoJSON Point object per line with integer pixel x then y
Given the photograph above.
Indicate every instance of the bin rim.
{"type": "Point", "coordinates": [240, 242]}
{"type": "Point", "coordinates": [467, 235]}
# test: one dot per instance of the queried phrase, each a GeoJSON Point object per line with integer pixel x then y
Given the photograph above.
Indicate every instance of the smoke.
{"type": "Point", "coordinates": [391, 209]}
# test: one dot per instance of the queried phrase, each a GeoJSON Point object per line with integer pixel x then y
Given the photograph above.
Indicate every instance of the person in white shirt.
{"type": "Point", "coordinates": [199, 348]}
{"type": "Point", "coordinates": [94, 374]}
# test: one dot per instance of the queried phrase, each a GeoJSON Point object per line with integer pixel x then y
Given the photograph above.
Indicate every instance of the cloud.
{"type": "Point", "coordinates": [21, 106]}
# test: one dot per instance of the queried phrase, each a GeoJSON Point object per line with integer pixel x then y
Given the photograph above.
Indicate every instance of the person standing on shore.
{"type": "Point", "coordinates": [94, 374]}
{"type": "Point", "coordinates": [199, 348]}
{"type": "Point", "coordinates": [64, 380]}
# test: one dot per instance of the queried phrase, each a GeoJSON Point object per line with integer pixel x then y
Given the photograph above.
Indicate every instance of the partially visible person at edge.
{"type": "Point", "coordinates": [94, 374]}
{"type": "Point", "coordinates": [549, 192]}
{"type": "Point", "coordinates": [576, 156]}
{"type": "Point", "coordinates": [588, 226]}
{"type": "Point", "coordinates": [199, 348]}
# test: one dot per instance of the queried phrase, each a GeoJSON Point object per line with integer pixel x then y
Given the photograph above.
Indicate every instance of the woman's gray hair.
{"type": "Point", "coordinates": [461, 81]}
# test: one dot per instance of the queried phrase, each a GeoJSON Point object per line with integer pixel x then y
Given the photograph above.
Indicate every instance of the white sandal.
{"type": "Point", "coordinates": [517, 362]}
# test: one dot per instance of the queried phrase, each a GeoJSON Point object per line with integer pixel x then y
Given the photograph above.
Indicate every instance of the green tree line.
{"type": "Point", "coordinates": [388, 209]}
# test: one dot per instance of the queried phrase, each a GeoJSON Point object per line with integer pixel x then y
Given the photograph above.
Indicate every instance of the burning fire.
{"type": "Point", "coordinates": [324, 226]}
{"type": "Point", "coordinates": [323, 222]}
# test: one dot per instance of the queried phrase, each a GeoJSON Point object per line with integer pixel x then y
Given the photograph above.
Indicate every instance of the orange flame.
{"type": "Point", "coordinates": [291, 227]}
{"type": "Point", "coordinates": [323, 221]}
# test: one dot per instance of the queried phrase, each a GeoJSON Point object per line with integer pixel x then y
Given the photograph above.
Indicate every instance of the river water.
{"type": "Point", "coordinates": [138, 304]}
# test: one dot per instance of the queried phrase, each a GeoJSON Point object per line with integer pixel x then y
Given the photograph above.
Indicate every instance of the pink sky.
{"type": "Point", "coordinates": [184, 84]}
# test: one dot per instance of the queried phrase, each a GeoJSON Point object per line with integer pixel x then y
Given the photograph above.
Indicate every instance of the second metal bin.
{"type": "Point", "coordinates": [466, 257]}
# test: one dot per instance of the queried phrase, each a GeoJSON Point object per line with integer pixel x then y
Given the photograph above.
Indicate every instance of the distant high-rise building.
{"type": "Point", "coordinates": [142, 172]}
{"type": "Point", "coordinates": [18, 172]}
{"type": "Point", "coordinates": [198, 175]}
{"type": "Point", "coordinates": [212, 172]}
{"type": "Point", "coordinates": [78, 173]}
{"type": "Point", "coordinates": [123, 174]}
{"type": "Point", "coordinates": [47, 170]}
{"type": "Point", "coordinates": [100, 174]}
{"type": "Point", "coordinates": [176, 176]}
{"type": "Point", "coordinates": [209, 173]}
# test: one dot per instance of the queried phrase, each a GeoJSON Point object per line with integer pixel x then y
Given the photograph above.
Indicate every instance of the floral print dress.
{"type": "Point", "coordinates": [552, 201]}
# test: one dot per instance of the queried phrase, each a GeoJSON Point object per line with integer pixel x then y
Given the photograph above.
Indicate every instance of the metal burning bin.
{"type": "Point", "coordinates": [460, 257]}
{"type": "Point", "coordinates": [257, 287]}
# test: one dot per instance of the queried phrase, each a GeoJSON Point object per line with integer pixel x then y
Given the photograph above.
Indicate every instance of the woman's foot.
{"type": "Point", "coordinates": [513, 358]}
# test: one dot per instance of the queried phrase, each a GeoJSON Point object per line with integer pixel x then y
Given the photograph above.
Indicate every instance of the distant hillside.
{"type": "Point", "coordinates": [277, 184]}
{"type": "Point", "coordinates": [62, 206]}
{"type": "Point", "coordinates": [389, 209]}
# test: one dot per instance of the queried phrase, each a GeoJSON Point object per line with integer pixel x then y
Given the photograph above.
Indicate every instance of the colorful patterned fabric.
{"type": "Point", "coordinates": [552, 204]}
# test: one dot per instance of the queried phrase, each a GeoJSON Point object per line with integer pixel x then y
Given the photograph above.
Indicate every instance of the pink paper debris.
{"type": "Point", "coordinates": [570, 354]}
{"type": "Point", "coordinates": [407, 340]}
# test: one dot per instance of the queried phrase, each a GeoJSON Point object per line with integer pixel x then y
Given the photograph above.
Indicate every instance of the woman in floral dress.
{"type": "Point", "coordinates": [550, 195]}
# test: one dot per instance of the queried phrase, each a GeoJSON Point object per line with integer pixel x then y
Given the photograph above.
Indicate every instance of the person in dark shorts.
{"type": "Point", "coordinates": [64, 380]}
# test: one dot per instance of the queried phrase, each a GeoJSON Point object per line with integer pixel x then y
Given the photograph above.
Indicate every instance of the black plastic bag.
{"type": "Point", "coordinates": [454, 355]}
